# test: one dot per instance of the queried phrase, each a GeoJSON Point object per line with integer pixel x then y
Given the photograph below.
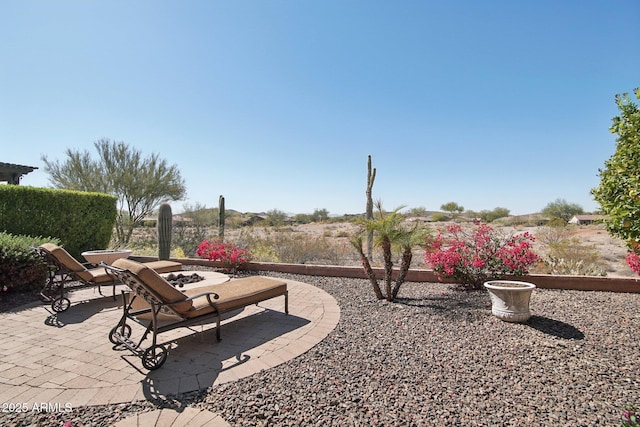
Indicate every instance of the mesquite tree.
{"type": "Point", "coordinates": [619, 189]}
{"type": "Point", "coordinates": [390, 232]}
{"type": "Point", "coordinates": [140, 184]}
{"type": "Point", "coordinates": [562, 209]}
{"type": "Point", "coordinates": [452, 208]}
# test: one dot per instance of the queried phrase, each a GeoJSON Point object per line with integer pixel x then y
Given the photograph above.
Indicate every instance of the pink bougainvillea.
{"type": "Point", "coordinates": [633, 260]}
{"type": "Point", "coordinates": [229, 255]}
{"type": "Point", "coordinates": [475, 257]}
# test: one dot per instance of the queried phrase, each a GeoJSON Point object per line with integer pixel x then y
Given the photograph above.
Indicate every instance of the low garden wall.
{"type": "Point", "coordinates": [545, 281]}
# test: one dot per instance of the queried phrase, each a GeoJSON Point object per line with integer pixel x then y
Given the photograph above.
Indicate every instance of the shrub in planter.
{"type": "Point", "coordinates": [21, 269]}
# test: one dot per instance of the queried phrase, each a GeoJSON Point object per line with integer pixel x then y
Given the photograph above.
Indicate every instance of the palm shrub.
{"type": "Point", "coordinates": [21, 268]}
{"type": "Point", "coordinates": [390, 231]}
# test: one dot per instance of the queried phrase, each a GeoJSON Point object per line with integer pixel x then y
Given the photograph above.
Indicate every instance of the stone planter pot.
{"type": "Point", "coordinates": [510, 299]}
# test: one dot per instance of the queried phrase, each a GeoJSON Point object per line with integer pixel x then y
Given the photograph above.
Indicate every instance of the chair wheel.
{"type": "Point", "coordinates": [154, 357]}
{"type": "Point", "coordinates": [61, 304]}
{"type": "Point", "coordinates": [124, 331]}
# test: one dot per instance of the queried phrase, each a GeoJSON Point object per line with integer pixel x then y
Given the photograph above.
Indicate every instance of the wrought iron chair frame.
{"type": "Point", "coordinates": [154, 356]}
{"type": "Point", "coordinates": [58, 276]}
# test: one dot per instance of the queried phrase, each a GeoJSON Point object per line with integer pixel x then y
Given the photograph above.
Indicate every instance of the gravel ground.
{"type": "Point", "coordinates": [436, 358]}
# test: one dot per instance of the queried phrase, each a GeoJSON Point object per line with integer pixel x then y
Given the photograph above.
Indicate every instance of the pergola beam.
{"type": "Point", "coordinates": [11, 173]}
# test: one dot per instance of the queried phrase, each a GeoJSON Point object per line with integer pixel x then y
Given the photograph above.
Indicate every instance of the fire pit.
{"type": "Point", "coordinates": [105, 255]}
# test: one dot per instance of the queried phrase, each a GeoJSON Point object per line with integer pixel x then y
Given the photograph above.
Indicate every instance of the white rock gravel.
{"type": "Point", "coordinates": [436, 358]}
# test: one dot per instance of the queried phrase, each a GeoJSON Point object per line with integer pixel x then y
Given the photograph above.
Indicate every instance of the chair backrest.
{"type": "Point", "coordinates": [64, 261]}
{"type": "Point", "coordinates": [150, 286]}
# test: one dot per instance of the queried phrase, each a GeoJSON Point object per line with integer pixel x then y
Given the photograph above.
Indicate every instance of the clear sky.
{"type": "Point", "coordinates": [276, 104]}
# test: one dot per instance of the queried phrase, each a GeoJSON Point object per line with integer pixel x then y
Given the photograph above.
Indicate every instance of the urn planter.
{"type": "Point", "coordinates": [510, 299]}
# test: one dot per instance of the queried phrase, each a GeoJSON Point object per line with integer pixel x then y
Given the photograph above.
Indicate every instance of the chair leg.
{"type": "Point", "coordinates": [62, 283]}
{"type": "Point", "coordinates": [218, 327]}
{"type": "Point", "coordinates": [286, 302]}
{"type": "Point", "coordinates": [46, 293]}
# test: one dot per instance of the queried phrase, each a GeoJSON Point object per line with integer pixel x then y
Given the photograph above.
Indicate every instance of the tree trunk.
{"type": "Point", "coordinates": [370, 274]}
{"type": "Point", "coordinates": [388, 266]}
{"type": "Point", "coordinates": [124, 229]}
{"type": "Point", "coordinates": [407, 256]}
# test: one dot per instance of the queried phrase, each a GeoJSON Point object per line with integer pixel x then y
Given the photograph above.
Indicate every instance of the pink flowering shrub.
{"type": "Point", "coordinates": [633, 260]}
{"type": "Point", "coordinates": [630, 417]}
{"type": "Point", "coordinates": [474, 257]}
{"type": "Point", "coordinates": [231, 257]}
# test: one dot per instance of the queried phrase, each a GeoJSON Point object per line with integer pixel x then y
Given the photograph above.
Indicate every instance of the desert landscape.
{"type": "Point", "coordinates": [591, 238]}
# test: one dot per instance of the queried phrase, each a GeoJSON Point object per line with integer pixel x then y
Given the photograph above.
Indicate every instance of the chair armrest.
{"type": "Point", "coordinates": [215, 296]}
{"type": "Point", "coordinates": [110, 269]}
{"type": "Point", "coordinates": [204, 294]}
{"type": "Point", "coordinates": [104, 264]}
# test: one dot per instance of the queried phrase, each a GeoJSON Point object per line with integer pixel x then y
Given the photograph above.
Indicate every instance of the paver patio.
{"type": "Point", "coordinates": [67, 358]}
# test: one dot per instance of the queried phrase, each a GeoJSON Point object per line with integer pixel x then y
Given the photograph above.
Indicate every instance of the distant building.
{"type": "Point", "coordinates": [11, 173]}
{"type": "Point", "coordinates": [586, 219]}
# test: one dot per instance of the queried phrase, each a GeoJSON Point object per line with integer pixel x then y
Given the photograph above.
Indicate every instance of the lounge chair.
{"type": "Point", "coordinates": [63, 268]}
{"type": "Point", "coordinates": [167, 308]}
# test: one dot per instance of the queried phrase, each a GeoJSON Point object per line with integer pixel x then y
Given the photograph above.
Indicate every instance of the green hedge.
{"type": "Point", "coordinates": [80, 220]}
{"type": "Point", "coordinates": [21, 269]}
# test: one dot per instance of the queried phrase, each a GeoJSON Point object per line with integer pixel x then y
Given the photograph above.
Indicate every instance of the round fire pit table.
{"type": "Point", "coordinates": [107, 256]}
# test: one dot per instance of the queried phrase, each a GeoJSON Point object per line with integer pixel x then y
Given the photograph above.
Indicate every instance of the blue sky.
{"type": "Point", "coordinates": [276, 104]}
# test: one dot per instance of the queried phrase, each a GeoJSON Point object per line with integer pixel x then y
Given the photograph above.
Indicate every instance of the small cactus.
{"type": "Point", "coordinates": [165, 223]}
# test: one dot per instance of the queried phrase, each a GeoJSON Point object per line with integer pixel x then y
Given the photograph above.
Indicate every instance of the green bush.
{"type": "Point", "coordinates": [82, 221]}
{"type": "Point", "coordinates": [292, 247]}
{"type": "Point", "coordinates": [490, 216]}
{"type": "Point", "coordinates": [549, 235]}
{"type": "Point", "coordinates": [439, 217]}
{"type": "Point", "coordinates": [21, 269]}
{"type": "Point", "coordinates": [619, 190]}
{"type": "Point", "coordinates": [571, 257]}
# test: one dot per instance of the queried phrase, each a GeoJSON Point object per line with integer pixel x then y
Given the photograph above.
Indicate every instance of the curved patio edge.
{"type": "Point", "coordinates": [67, 357]}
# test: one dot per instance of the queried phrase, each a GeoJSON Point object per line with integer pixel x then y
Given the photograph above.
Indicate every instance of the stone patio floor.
{"type": "Point", "coordinates": [67, 358]}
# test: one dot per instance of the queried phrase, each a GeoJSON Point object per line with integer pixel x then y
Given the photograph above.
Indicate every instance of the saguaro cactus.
{"type": "Point", "coordinates": [371, 176]}
{"type": "Point", "coordinates": [221, 218]}
{"type": "Point", "coordinates": [165, 224]}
